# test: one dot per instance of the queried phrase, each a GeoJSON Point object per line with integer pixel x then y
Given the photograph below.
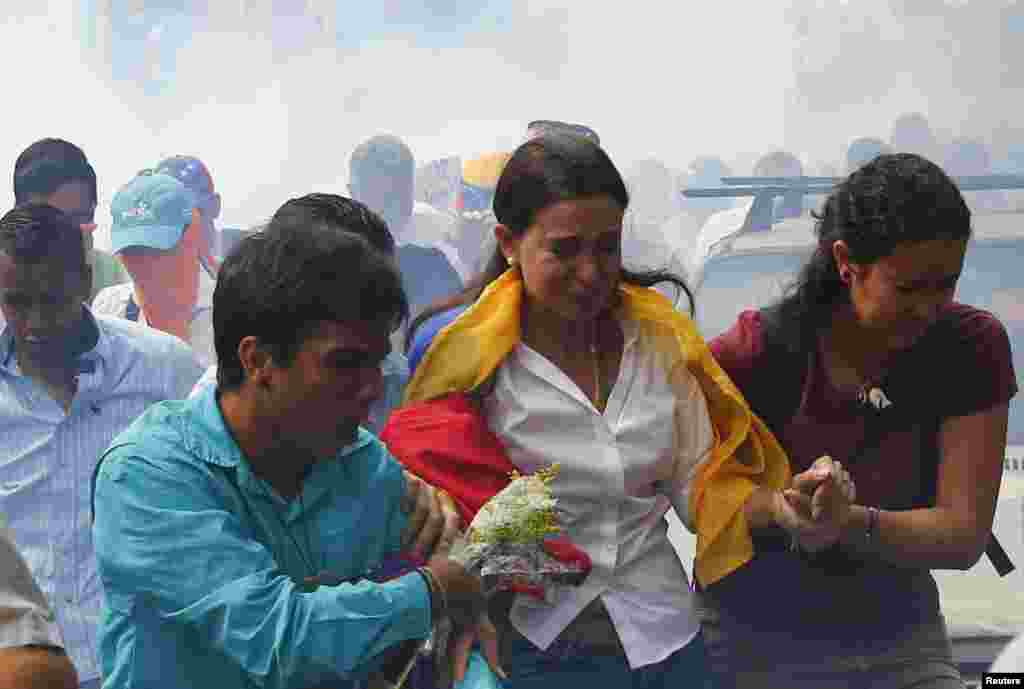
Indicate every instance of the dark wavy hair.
{"type": "Point", "coordinates": [542, 172]}
{"type": "Point", "coordinates": [321, 258]}
{"type": "Point", "coordinates": [892, 200]}
{"type": "Point", "coordinates": [46, 165]}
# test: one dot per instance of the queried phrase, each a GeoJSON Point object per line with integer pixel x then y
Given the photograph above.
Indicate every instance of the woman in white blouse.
{"type": "Point", "coordinates": [582, 373]}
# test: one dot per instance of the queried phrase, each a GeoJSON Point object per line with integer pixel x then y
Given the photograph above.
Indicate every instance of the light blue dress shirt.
{"type": "Point", "coordinates": [47, 457]}
{"type": "Point", "coordinates": [200, 561]}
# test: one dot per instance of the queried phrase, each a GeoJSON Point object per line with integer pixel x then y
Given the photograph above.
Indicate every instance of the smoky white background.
{"type": "Point", "coordinates": [274, 103]}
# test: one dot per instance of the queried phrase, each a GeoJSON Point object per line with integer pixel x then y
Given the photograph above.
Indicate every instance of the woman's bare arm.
{"type": "Point", "coordinates": [952, 534]}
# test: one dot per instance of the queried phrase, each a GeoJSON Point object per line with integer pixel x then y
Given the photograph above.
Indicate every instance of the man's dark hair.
{"type": "Point", "coordinates": [314, 263]}
{"type": "Point", "coordinates": [35, 232]}
{"type": "Point", "coordinates": [46, 165]}
{"type": "Point", "coordinates": [332, 210]}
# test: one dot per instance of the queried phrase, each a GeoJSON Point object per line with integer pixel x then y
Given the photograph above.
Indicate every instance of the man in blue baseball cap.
{"type": "Point", "coordinates": [194, 174]}
{"type": "Point", "coordinates": [157, 232]}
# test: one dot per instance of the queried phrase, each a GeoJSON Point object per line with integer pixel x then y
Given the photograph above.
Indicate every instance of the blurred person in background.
{"type": "Point", "coordinates": [32, 652]}
{"type": "Point", "coordinates": [334, 210]}
{"type": "Point", "coordinates": [56, 172]}
{"type": "Point", "coordinates": [784, 164]}
{"type": "Point", "coordinates": [474, 231]}
{"type": "Point", "coordinates": [382, 176]}
{"type": "Point", "coordinates": [738, 219]}
{"type": "Point", "coordinates": [654, 197]}
{"type": "Point", "coordinates": [196, 177]}
{"type": "Point", "coordinates": [158, 233]}
{"type": "Point", "coordinates": [912, 133]}
{"type": "Point", "coordinates": [965, 157]}
{"type": "Point", "coordinates": [1011, 162]}
{"type": "Point", "coordinates": [656, 233]}
{"type": "Point", "coordinates": [70, 381]}
{"type": "Point", "coordinates": [704, 172]}
{"type": "Point", "coordinates": [253, 535]}
{"type": "Point", "coordinates": [863, 150]}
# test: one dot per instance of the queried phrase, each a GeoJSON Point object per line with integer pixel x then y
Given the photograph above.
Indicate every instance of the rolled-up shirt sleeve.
{"type": "Point", "coordinates": [167, 540]}
{"type": "Point", "coordinates": [25, 615]}
{"type": "Point", "coordinates": [695, 439]}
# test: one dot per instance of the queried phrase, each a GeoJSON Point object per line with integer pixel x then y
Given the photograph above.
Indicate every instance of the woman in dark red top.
{"type": "Point", "coordinates": [869, 360]}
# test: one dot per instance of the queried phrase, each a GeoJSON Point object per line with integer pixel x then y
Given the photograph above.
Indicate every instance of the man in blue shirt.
{"type": "Point", "coordinates": [70, 381]}
{"type": "Point", "coordinates": [243, 535]}
{"type": "Point", "coordinates": [333, 208]}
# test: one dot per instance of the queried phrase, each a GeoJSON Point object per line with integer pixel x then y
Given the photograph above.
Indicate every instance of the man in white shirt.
{"type": "Point", "coordinates": [382, 175]}
{"type": "Point", "coordinates": [158, 233]}
{"type": "Point", "coordinates": [31, 649]}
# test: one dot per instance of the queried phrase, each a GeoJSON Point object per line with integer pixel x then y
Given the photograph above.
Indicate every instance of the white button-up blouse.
{"type": "Point", "coordinates": [621, 470]}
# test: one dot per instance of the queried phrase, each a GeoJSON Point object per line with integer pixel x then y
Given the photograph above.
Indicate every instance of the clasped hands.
{"type": "Point", "coordinates": [816, 508]}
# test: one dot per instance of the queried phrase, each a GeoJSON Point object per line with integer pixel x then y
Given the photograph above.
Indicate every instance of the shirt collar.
{"type": "Point", "coordinates": [88, 361]}
{"type": "Point", "coordinates": [211, 440]}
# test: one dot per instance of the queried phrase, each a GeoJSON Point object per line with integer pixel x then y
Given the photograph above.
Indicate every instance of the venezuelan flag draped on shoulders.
{"type": "Point", "coordinates": [441, 435]}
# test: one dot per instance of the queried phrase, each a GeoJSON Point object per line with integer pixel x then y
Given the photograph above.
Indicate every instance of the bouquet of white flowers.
{"type": "Point", "coordinates": [511, 542]}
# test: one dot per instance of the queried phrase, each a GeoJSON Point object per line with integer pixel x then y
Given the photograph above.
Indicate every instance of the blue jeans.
{"type": "Point", "coordinates": [563, 666]}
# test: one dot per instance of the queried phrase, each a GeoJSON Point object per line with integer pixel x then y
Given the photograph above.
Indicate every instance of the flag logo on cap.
{"type": "Point", "coordinates": [140, 211]}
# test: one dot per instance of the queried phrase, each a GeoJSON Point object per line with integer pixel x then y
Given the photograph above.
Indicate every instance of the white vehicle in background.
{"type": "Point", "coordinates": [750, 263]}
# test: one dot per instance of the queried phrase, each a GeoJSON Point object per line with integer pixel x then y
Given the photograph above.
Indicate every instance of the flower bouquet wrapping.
{"type": "Point", "coordinates": [512, 544]}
